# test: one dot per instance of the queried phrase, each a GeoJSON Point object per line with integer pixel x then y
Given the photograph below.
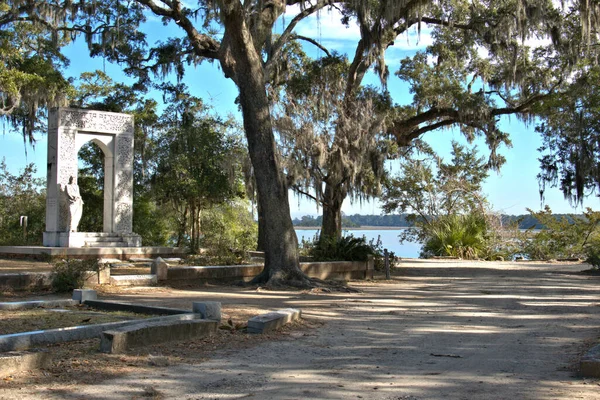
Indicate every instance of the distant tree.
{"type": "Point", "coordinates": [198, 163]}
{"type": "Point", "coordinates": [562, 236]}
{"type": "Point", "coordinates": [428, 188]}
{"type": "Point", "coordinates": [443, 201]}
{"type": "Point", "coordinates": [333, 142]}
{"type": "Point", "coordinates": [21, 195]}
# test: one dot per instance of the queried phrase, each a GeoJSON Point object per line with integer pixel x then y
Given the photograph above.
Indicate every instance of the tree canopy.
{"type": "Point", "coordinates": [487, 59]}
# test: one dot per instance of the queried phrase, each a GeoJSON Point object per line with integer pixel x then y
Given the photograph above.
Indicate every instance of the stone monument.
{"type": "Point", "coordinates": [68, 130]}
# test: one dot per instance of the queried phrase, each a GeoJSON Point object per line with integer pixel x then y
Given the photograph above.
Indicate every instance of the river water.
{"type": "Point", "coordinates": [389, 239]}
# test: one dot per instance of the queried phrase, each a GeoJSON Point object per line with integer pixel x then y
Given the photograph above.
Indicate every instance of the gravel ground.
{"type": "Point", "coordinates": [437, 330]}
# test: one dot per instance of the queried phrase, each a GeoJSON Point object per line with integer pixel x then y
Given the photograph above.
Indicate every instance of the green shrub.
{"type": "Point", "coordinates": [456, 235]}
{"type": "Point", "coordinates": [347, 248]}
{"type": "Point", "coordinates": [70, 274]}
{"type": "Point", "coordinates": [568, 236]}
{"type": "Point", "coordinates": [592, 251]}
{"type": "Point", "coordinates": [229, 232]}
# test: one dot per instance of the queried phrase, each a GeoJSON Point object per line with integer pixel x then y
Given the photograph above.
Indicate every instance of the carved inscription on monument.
{"type": "Point", "coordinates": [67, 157]}
{"type": "Point", "coordinates": [78, 119]}
{"type": "Point", "coordinates": [124, 185]}
{"type": "Point", "coordinates": [116, 123]}
{"type": "Point", "coordinates": [125, 151]}
{"type": "Point", "coordinates": [124, 218]}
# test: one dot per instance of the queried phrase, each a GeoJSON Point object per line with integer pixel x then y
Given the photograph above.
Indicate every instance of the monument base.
{"type": "Point", "coordinates": [91, 239]}
{"type": "Point", "coordinates": [121, 253]}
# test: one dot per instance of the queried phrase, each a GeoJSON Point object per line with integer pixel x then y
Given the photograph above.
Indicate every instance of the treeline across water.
{"type": "Point", "coordinates": [525, 221]}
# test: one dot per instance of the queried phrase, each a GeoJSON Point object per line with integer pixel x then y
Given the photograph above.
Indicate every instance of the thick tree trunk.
{"type": "Point", "coordinates": [261, 245]}
{"type": "Point", "coordinates": [243, 64]}
{"type": "Point", "coordinates": [332, 212]}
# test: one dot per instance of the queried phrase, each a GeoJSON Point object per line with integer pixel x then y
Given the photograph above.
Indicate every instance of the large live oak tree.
{"type": "Point", "coordinates": [452, 82]}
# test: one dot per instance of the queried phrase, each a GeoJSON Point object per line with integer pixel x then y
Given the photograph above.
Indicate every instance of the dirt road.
{"type": "Point", "coordinates": [438, 330]}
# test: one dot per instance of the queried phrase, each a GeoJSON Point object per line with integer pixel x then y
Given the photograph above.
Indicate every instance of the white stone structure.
{"type": "Point", "coordinates": [68, 130]}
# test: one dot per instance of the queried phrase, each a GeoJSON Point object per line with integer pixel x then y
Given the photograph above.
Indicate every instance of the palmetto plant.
{"type": "Point", "coordinates": [456, 235]}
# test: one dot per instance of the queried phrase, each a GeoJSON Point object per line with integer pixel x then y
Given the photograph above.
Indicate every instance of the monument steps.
{"type": "Point", "coordinates": [103, 239]}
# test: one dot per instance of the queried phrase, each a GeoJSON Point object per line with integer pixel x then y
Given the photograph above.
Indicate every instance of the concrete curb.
{"type": "Point", "coordinates": [22, 361]}
{"type": "Point", "coordinates": [148, 333]}
{"type": "Point", "coordinates": [136, 308]}
{"type": "Point", "coordinates": [133, 280]}
{"type": "Point", "coordinates": [27, 340]}
{"type": "Point", "coordinates": [27, 305]}
{"type": "Point", "coordinates": [271, 321]}
{"type": "Point", "coordinates": [589, 365]}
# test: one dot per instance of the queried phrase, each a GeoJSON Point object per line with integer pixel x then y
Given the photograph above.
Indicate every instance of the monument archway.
{"type": "Point", "coordinates": [68, 130]}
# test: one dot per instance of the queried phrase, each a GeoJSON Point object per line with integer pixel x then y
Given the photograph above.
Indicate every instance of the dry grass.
{"type": "Point", "coordinates": [80, 362]}
{"type": "Point", "coordinates": [42, 319]}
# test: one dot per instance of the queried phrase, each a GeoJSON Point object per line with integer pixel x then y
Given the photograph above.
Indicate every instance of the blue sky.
{"type": "Point", "coordinates": [511, 191]}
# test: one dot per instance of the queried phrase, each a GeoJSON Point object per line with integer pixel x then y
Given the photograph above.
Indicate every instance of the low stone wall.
{"type": "Point", "coordinates": [320, 270]}
{"type": "Point", "coordinates": [121, 253]}
{"type": "Point", "coordinates": [338, 270]}
{"type": "Point", "coordinates": [216, 273]}
{"type": "Point", "coordinates": [26, 280]}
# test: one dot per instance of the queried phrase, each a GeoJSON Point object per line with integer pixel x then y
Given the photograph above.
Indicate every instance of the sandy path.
{"type": "Point", "coordinates": [439, 330]}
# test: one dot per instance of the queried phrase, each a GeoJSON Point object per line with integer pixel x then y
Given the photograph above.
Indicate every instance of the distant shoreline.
{"type": "Point", "coordinates": [360, 228]}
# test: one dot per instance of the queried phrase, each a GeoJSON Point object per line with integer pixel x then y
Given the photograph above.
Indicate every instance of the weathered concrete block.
{"type": "Point", "coordinates": [25, 305]}
{"type": "Point", "coordinates": [159, 268]}
{"type": "Point", "coordinates": [147, 333]}
{"type": "Point", "coordinates": [271, 321]}
{"type": "Point", "coordinates": [82, 295]}
{"type": "Point", "coordinates": [208, 309]}
{"type": "Point", "coordinates": [103, 274]}
{"type": "Point", "coordinates": [590, 363]}
{"type": "Point", "coordinates": [16, 361]}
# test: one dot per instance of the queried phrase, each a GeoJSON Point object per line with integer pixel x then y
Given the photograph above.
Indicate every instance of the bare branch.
{"type": "Point", "coordinates": [314, 42]}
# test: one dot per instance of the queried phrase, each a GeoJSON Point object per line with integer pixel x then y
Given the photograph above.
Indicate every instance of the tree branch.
{"type": "Point", "coordinates": [285, 36]}
{"type": "Point", "coordinates": [204, 45]}
{"type": "Point", "coordinates": [297, 189]}
{"type": "Point", "coordinates": [314, 42]}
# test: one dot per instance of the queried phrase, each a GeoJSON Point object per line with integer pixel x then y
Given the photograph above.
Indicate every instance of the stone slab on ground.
{"type": "Point", "coordinates": [589, 365]}
{"type": "Point", "coordinates": [27, 305]}
{"type": "Point", "coordinates": [109, 261]}
{"type": "Point", "coordinates": [28, 340]}
{"type": "Point", "coordinates": [16, 361]}
{"type": "Point", "coordinates": [271, 321]}
{"type": "Point", "coordinates": [154, 332]}
{"type": "Point", "coordinates": [136, 308]}
{"type": "Point", "coordinates": [133, 280]}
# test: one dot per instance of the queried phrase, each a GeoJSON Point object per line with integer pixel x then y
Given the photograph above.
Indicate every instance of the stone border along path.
{"type": "Point", "coordinates": [437, 330]}
{"type": "Point", "coordinates": [118, 337]}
